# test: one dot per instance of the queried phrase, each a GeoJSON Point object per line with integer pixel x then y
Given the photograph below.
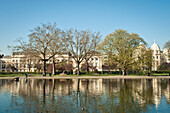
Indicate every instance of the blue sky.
{"type": "Point", "coordinates": [148, 18]}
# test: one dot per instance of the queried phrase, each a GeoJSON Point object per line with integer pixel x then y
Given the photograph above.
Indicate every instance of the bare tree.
{"type": "Point", "coordinates": [22, 48]}
{"type": "Point", "coordinates": [56, 47]}
{"type": "Point", "coordinates": [41, 42]}
{"type": "Point", "coordinates": [80, 44]}
{"type": "Point", "coordinates": [87, 58]}
{"type": "Point", "coordinates": [1, 55]}
{"type": "Point", "coordinates": [167, 45]}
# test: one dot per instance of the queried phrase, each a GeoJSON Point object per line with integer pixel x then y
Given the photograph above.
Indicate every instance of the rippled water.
{"type": "Point", "coordinates": [85, 95]}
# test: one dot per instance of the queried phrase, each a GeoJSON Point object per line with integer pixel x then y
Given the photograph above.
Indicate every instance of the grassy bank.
{"type": "Point", "coordinates": [36, 75]}
{"type": "Point", "coordinates": [161, 74]}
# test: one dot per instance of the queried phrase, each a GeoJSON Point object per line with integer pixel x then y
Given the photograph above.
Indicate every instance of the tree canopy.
{"type": "Point", "coordinates": [41, 44]}
{"type": "Point", "coordinates": [80, 44]}
{"type": "Point", "coordinates": [167, 45]}
{"type": "Point", "coordinates": [120, 46]}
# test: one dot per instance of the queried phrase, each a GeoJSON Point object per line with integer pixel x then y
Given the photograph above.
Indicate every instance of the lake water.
{"type": "Point", "coordinates": [85, 95]}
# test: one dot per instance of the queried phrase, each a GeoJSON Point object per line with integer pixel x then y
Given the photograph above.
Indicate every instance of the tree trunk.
{"type": "Point", "coordinates": [44, 68]}
{"type": "Point", "coordinates": [54, 70]}
{"type": "Point", "coordinates": [78, 66]}
{"type": "Point", "coordinates": [109, 69]}
{"type": "Point", "coordinates": [29, 66]}
{"type": "Point", "coordinates": [87, 67]}
{"type": "Point", "coordinates": [124, 72]}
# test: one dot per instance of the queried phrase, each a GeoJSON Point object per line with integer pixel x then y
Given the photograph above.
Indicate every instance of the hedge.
{"type": "Point", "coordinates": [7, 73]}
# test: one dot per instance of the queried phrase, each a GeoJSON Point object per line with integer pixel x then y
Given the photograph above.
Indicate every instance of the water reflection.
{"type": "Point", "coordinates": [85, 95]}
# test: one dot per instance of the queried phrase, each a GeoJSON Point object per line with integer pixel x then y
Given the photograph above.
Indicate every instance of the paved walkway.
{"type": "Point", "coordinates": [92, 77]}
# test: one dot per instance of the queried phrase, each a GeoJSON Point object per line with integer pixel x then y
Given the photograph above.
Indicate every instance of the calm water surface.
{"type": "Point", "coordinates": [85, 95]}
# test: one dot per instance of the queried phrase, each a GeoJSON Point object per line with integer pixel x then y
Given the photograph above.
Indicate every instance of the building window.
{"type": "Point", "coordinates": [3, 65]}
{"type": "Point", "coordinates": [96, 64]}
{"type": "Point", "coordinates": [157, 57]}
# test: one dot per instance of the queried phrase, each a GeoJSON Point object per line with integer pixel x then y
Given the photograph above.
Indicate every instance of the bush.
{"type": "Point", "coordinates": [9, 73]}
{"type": "Point", "coordinates": [161, 71]}
{"type": "Point", "coordinates": [110, 72]}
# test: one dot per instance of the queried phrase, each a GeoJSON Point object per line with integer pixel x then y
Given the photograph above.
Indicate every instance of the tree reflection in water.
{"type": "Point", "coordinates": [85, 95]}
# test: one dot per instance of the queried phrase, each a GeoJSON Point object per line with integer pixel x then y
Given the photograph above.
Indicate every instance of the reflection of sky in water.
{"type": "Point", "coordinates": [11, 103]}
{"type": "Point", "coordinates": [162, 108]}
{"type": "Point", "coordinates": [85, 95]}
{"type": "Point", "coordinates": [5, 99]}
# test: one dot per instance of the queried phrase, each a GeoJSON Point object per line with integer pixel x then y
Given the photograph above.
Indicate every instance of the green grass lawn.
{"type": "Point", "coordinates": [161, 74]}
{"type": "Point", "coordinates": [18, 75]}
{"type": "Point", "coordinates": [10, 75]}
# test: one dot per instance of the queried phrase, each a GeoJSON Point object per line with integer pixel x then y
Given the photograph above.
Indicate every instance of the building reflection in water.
{"type": "Point", "coordinates": [87, 95]}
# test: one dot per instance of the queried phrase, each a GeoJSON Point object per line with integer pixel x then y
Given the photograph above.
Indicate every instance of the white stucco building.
{"type": "Point", "coordinates": [5, 62]}
{"type": "Point", "coordinates": [156, 56]}
{"type": "Point", "coordinates": [159, 56]}
{"type": "Point", "coordinates": [25, 64]}
{"type": "Point", "coordinates": [166, 53]}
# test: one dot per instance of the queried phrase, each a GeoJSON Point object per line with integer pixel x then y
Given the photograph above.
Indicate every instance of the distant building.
{"type": "Point", "coordinates": [159, 56]}
{"type": "Point", "coordinates": [166, 55]}
{"type": "Point", "coordinates": [5, 62]}
{"type": "Point", "coordinates": [21, 63]}
{"type": "Point", "coordinates": [156, 56]}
